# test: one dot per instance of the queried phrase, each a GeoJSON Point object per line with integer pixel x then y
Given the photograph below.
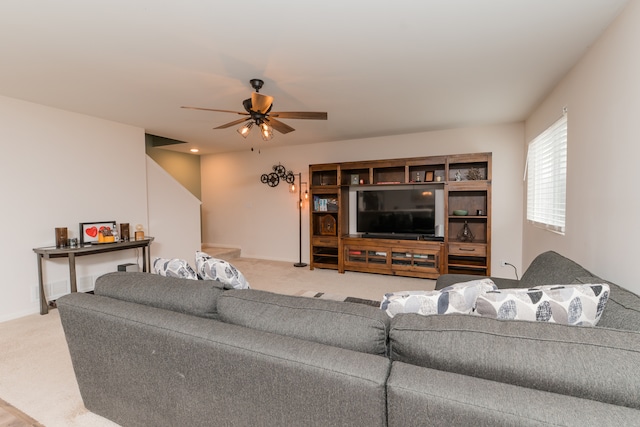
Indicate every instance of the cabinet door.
{"type": "Point", "coordinates": [424, 261]}
{"type": "Point", "coordinates": [356, 256]}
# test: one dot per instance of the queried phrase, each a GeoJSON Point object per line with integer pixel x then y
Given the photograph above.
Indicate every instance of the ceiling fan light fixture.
{"type": "Point", "coordinates": [266, 131]}
{"type": "Point", "coordinates": [258, 112]}
{"type": "Point", "coordinates": [245, 129]}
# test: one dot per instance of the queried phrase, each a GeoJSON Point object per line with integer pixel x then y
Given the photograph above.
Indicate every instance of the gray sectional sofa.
{"type": "Point", "coordinates": [156, 351]}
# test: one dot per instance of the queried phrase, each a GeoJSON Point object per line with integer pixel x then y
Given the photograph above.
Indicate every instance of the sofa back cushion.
{"type": "Point", "coordinates": [592, 363]}
{"type": "Point", "coordinates": [341, 324]}
{"type": "Point", "coordinates": [195, 297]}
{"type": "Point", "coordinates": [551, 268]}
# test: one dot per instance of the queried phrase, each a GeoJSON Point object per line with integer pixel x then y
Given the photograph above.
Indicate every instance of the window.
{"type": "Point", "coordinates": [547, 178]}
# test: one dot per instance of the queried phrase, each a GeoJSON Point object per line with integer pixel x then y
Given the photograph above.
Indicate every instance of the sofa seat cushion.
{"type": "Point", "coordinates": [592, 363]}
{"type": "Point", "coordinates": [457, 298]}
{"type": "Point", "coordinates": [195, 297]}
{"type": "Point", "coordinates": [580, 305]}
{"type": "Point", "coordinates": [341, 324]}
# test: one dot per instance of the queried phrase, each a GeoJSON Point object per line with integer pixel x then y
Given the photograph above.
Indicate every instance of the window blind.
{"type": "Point", "coordinates": [547, 178]}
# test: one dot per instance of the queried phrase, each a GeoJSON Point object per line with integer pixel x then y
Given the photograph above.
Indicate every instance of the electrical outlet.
{"type": "Point", "coordinates": [503, 263]}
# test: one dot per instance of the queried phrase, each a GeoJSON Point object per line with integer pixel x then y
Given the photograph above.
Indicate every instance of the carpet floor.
{"type": "Point", "coordinates": [36, 375]}
{"type": "Point", "coordinates": [10, 416]}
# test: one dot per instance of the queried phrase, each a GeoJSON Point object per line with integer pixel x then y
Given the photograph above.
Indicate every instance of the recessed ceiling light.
{"type": "Point", "coordinates": [194, 150]}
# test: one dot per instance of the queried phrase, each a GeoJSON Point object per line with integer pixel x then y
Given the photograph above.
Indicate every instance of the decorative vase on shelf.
{"type": "Point", "coordinates": [465, 235]}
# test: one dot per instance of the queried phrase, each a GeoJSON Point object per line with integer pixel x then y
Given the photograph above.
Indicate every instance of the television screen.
{"type": "Point", "coordinates": [397, 211]}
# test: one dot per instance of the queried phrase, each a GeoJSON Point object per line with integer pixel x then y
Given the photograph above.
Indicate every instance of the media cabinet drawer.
{"type": "Point", "coordinates": [325, 241]}
{"type": "Point", "coordinates": [469, 249]}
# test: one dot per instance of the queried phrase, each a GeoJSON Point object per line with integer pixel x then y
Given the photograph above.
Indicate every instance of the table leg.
{"type": "Point", "coordinates": [72, 272]}
{"type": "Point", "coordinates": [44, 305]}
{"type": "Point", "coordinates": [145, 254]}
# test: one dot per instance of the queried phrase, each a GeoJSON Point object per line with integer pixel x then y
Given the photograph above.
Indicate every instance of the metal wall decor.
{"type": "Point", "coordinates": [272, 179]}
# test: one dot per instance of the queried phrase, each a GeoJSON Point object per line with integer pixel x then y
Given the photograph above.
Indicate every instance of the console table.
{"type": "Point", "coordinates": [89, 249]}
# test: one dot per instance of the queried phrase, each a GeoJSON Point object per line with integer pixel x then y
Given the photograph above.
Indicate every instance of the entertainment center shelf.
{"type": "Point", "coordinates": [434, 212]}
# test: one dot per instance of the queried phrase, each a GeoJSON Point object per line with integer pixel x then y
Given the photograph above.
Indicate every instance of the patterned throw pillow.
{"type": "Point", "coordinates": [457, 298]}
{"type": "Point", "coordinates": [579, 305]}
{"type": "Point", "coordinates": [210, 268]}
{"type": "Point", "coordinates": [174, 268]}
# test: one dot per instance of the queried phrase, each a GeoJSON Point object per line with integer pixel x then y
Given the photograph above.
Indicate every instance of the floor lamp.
{"type": "Point", "coordinates": [300, 263]}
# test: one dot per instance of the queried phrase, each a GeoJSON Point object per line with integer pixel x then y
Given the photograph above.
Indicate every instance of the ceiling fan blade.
{"type": "Point", "coordinates": [310, 115]}
{"type": "Point", "coordinates": [279, 126]}
{"type": "Point", "coordinates": [233, 123]}
{"type": "Point", "coordinates": [260, 103]}
{"type": "Point", "coordinates": [214, 109]}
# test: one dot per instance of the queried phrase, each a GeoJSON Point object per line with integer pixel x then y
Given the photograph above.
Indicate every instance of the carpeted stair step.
{"type": "Point", "coordinates": [222, 253]}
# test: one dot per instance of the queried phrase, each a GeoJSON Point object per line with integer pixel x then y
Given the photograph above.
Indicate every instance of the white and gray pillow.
{"type": "Point", "coordinates": [457, 298]}
{"type": "Point", "coordinates": [579, 305]}
{"type": "Point", "coordinates": [209, 268]}
{"type": "Point", "coordinates": [174, 267]}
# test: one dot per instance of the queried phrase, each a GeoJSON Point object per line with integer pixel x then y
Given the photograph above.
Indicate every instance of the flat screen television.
{"type": "Point", "coordinates": [397, 211]}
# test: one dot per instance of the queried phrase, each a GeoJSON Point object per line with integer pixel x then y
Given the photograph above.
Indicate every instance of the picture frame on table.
{"type": "Point", "coordinates": [89, 230]}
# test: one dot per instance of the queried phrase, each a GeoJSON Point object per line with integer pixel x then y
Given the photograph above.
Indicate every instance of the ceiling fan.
{"type": "Point", "coordinates": [258, 112]}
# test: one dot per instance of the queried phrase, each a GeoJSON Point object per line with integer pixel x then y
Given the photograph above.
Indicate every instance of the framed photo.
{"type": "Point", "coordinates": [428, 177]}
{"type": "Point", "coordinates": [355, 179]}
{"type": "Point", "coordinates": [89, 230]}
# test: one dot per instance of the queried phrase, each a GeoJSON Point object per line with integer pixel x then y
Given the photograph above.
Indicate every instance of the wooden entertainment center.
{"type": "Point", "coordinates": [462, 243]}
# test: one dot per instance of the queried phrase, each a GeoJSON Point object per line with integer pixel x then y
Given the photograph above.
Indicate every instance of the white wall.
{"type": "Point", "coordinates": [239, 211]}
{"type": "Point", "coordinates": [602, 94]}
{"type": "Point", "coordinates": [174, 216]}
{"type": "Point", "coordinates": [59, 169]}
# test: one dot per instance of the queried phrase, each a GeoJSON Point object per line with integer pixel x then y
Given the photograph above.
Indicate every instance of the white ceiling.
{"type": "Point", "coordinates": [378, 68]}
